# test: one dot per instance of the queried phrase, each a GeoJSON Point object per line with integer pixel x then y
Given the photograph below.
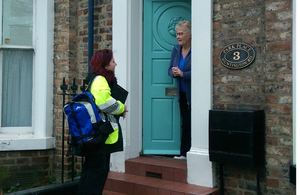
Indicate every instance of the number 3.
{"type": "Point", "coordinates": [236, 55]}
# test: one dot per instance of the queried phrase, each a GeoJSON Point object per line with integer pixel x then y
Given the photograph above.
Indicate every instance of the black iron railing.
{"type": "Point", "coordinates": [73, 89]}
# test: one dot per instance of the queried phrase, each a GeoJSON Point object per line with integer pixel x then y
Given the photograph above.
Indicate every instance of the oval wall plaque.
{"type": "Point", "coordinates": [237, 55]}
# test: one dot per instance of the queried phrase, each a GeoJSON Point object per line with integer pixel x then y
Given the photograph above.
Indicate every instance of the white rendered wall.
{"type": "Point", "coordinates": [120, 55]}
{"type": "Point", "coordinates": [127, 47]}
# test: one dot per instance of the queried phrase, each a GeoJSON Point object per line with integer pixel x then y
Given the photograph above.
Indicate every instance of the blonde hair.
{"type": "Point", "coordinates": [184, 24]}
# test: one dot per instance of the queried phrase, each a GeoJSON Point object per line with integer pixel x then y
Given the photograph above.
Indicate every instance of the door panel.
{"type": "Point", "coordinates": [161, 118]}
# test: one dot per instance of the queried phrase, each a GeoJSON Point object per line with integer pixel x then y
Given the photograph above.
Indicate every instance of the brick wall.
{"type": "Point", "coordinates": [26, 168]}
{"type": "Point", "coordinates": [71, 59]}
{"type": "Point", "coordinates": [266, 84]}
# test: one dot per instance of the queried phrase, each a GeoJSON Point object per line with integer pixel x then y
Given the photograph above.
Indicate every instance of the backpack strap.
{"type": "Point", "coordinates": [89, 89]}
{"type": "Point", "coordinates": [69, 149]}
{"type": "Point", "coordinates": [91, 82]}
{"type": "Point", "coordinates": [76, 120]}
{"type": "Point", "coordinates": [73, 115]}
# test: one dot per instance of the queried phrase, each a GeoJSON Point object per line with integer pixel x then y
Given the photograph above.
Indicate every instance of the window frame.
{"type": "Point", "coordinates": [40, 135]}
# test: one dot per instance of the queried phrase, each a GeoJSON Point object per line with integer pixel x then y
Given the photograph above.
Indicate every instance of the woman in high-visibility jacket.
{"type": "Point", "coordinates": [96, 166]}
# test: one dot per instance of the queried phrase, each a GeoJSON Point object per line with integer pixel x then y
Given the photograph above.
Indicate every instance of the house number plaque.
{"type": "Point", "coordinates": [237, 55]}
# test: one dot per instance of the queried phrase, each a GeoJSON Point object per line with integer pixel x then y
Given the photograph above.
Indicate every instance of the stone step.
{"type": "Point", "coordinates": [158, 167]}
{"type": "Point", "coordinates": [130, 184]}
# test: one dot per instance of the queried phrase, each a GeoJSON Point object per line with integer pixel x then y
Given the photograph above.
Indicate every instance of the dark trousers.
{"type": "Point", "coordinates": [185, 112]}
{"type": "Point", "coordinates": [94, 174]}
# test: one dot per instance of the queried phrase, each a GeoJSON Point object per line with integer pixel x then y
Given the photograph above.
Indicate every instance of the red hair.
{"type": "Point", "coordinates": [99, 60]}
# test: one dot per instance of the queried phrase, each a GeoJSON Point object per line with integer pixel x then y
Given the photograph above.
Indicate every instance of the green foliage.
{"type": "Point", "coordinates": [46, 181]}
{"type": "Point", "coordinates": [4, 175]}
{"type": "Point", "coordinates": [78, 174]}
{"type": "Point", "coordinates": [52, 180]}
{"type": "Point", "coordinates": [15, 188]}
{"type": "Point", "coordinates": [18, 187]}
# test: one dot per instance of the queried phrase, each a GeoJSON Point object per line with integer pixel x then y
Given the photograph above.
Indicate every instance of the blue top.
{"type": "Point", "coordinates": [181, 63]}
{"type": "Point", "coordinates": [175, 59]}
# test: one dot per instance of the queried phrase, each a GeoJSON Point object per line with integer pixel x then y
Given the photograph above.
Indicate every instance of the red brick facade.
{"type": "Point", "coordinates": [265, 84]}
{"type": "Point", "coordinates": [71, 57]}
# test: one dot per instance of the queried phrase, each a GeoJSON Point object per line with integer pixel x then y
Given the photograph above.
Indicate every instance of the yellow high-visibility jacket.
{"type": "Point", "coordinates": [106, 103]}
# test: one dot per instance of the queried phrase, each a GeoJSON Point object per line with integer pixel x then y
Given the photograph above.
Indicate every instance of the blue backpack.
{"type": "Point", "coordinates": [88, 131]}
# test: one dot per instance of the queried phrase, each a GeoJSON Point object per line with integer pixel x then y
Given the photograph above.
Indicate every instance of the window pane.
{"type": "Point", "coordinates": [17, 69]}
{"type": "Point", "coordinates": [17, 22]}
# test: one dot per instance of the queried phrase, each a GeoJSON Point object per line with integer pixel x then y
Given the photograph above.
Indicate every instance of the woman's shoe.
{"type": "Point", "coordinates": [180, 157]}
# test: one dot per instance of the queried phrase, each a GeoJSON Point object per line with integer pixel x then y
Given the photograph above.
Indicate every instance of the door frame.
{"type": "Point", "coordinates": [127, 47]}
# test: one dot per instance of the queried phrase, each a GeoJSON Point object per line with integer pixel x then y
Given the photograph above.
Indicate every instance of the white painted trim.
{"type": "Point", "coordinates": [296, 74]}
{"type": "Point", "coordinates": [22, 144]}
{"type": "Point", "coordinates": [42, 125]}
{"type": "Point", "coordinates": [120, 32]}
{"type": "Point", "coordinates": [200, 170]}
{"type": "Point", "coordinates": [127, 48]}
{"type": "Point", "coordinates": [135, 81]}
{"type": "Point", "coordinates": [43, 76]}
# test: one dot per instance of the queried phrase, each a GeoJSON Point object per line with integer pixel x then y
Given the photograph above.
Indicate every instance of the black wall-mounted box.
{"type": "Point", "coordinates": [293, 174]}
{"type": "Point", "coordinates": [237, 137]}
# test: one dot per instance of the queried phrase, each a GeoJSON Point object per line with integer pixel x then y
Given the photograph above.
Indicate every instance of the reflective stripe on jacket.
{"type": "Point", "coordinates": [102, 93]}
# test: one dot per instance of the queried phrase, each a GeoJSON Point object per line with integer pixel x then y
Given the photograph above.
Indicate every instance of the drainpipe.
{"type": "Point", "coordinates": [90, 33]}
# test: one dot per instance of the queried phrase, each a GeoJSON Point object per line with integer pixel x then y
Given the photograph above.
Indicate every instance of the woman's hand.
{"type": "Point", "coordinates": [124, 113]}
{"type": "Point", "coordinates": [177, 72]}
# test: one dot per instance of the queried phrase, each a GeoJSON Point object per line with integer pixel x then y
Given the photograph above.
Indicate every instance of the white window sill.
{"type": "Point", "coordinates": [15, 144]}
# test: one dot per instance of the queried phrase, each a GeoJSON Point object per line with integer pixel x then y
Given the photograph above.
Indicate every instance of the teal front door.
{"type": "Point", "coordinates": [161, 116]}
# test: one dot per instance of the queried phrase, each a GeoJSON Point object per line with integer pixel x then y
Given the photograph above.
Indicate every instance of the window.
{"type": "Point", "coordinates": [26, 65]}
{"type": "Point", "coordinates": [17, 63]}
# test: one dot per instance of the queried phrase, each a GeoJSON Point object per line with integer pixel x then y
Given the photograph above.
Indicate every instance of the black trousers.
{"type": "Point", "coordinates": [185, 112]}
{"type": "Point", "coordinates": [94, 174]}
